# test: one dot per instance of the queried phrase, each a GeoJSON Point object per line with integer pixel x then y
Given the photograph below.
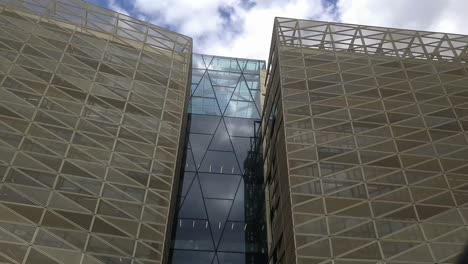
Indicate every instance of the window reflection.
{"type": "Point", "coordinates": [218, 185]}
{"type": "Point", "coordinates": [193, 234]}
{"type": "Point", "coordinates": [193, 257]}
{"type": "Point", "coordinates": [204, 106]}
{"type": "Point", "coordinates": [220, 219]}
{"type": "Point", "coordinates": [220, 162]}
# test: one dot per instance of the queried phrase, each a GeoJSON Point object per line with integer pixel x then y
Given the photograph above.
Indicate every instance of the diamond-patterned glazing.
{"type": "Point", "coordinates": [220, 217]}
{"type": "Point", "coordinates": [365, 144]}
{"type": "Point", "coordinates": [92, 105]}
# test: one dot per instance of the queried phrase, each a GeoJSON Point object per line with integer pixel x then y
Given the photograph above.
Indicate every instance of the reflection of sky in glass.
{"type": "Point", "coordinates": [197, 62]}
{"type": "Point", "coordinates": [213, 213]}
{"type": "Point", "coordinates": [241, 109]}
{"type": "Point", "coordinates": [224, 78]}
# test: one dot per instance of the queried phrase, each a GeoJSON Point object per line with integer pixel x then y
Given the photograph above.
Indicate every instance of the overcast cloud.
{"type": "Point", "coordinates": [242, 28]}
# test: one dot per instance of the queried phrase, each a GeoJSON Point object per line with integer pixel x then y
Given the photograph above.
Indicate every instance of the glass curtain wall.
{"type": "Point", "coordinates": [220, 215]}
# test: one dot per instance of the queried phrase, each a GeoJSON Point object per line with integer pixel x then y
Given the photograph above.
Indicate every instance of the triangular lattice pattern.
{"type": "Point", "coordinates": [373, 122]}
{"type": "Point", "coordinates": [91, 106]}
{"type": "Point", "coordinates": [220, 217]}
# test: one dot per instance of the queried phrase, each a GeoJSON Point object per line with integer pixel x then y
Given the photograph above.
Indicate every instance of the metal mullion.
{"type": "Point", "coordinates": [68, 147]}
{"type": "Point", "coordinates": [101, 191]}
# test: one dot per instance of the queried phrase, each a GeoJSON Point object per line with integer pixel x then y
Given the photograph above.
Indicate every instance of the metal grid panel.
{"type": "Point", "coordinates": [91, 112]}
{"type": "Point", "coordinates": [373, 122]}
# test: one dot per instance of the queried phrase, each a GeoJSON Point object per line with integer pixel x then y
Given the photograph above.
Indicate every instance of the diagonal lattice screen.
{"type": "Point", "coordinates": [371, 164]}
{"type": "Point", "coordinates": [91, 111]}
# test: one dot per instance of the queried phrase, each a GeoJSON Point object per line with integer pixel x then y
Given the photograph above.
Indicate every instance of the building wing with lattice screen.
{"type": "Point", "coordinates": [365, 144]}
{"type": "Point", "coordinates": [92, 110]}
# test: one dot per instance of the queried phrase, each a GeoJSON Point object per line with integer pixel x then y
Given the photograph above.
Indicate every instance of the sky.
{"type": "Point", "coordinates": [242, 28]}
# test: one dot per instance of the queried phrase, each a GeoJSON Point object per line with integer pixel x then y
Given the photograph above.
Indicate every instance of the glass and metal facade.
{"type": "Point", "coordinates": [92, 109]}
{"type": "Point", "coordinates": [365, 137]}
{"type": "Point", "coordinates": [357, 154]}
{"type": "Point", "coordinates": [220, 216]}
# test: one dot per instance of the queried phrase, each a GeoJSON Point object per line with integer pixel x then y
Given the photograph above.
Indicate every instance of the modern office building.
{"type": "Point", "coordinates": [221, 209]}
{"type": "Point", "coordinates": [92, 110]}
{"type": "Point", "coordinates": [120, 146]}
{"type": "Point", "coordinates": [365, 144]}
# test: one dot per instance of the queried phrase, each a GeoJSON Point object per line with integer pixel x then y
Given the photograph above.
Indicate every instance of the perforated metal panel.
{"type": "Point", "coordinates": [366, 147]}
{"type": "Point", "coordinates": [92, 105]}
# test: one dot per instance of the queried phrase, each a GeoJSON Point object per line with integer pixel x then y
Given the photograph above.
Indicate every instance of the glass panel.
{"type": "Point", "coordinates": [239, 206]}
{"type": "Point", "coordinates": [220, 162]}
{"type": "Point", "coordinates": [193, 234]}
{"type": "Point", "coordinates": [199, 144]}
{"type": "Point", "coordinates": [218, 211]}
{"type": "Point", "coordinates": [231, 258]}
{"type": "Point", "coordinates": [185, 256]}
{"type": "Point", "coordinates": [204, 106]}
{"type": "Point", "coordinates": [224, 64]}
{"type": "Point", "coordinates": [197, 62]}
{"type": "Point", "coordinates": [233, 238]}
{"type": "Point", "coordinates": [186, 182]}
{"type": "Point", "coordinates": [242, 109]}
{"type": "Point", "coordinates": [204, 88]}
{"type": "Point", "coordinates": [193, 205]}
{"type": "Point", "coordinates": [218, 185]}
{"type": "Point", "coordinates": [239, 127]}
{"type": "Point", "coordinates": [223, 95]}
{"type": "Point", "coordinates": [221, 139]}
{"type": "Point", "coordinates": [203, 124]}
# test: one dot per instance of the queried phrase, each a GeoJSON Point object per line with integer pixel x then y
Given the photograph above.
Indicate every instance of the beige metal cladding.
{"type": "Point", "coordinates": [91, 110]}
{"type": "Point", "coordinates": [366, 144]}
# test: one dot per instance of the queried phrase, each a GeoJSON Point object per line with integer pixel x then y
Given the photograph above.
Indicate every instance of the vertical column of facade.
{"type": "Point", "coordinates": [220, 218]}
{"type": "Point", "coordinates": [91, 114]}
{"type": "Point", "coordinates": [375, 139]}
{"type": "Point", "coordinates": [281, 247]}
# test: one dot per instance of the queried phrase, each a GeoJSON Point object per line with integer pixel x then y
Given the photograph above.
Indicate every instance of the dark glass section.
{"type": "Point", "coordinates": [221, 212]}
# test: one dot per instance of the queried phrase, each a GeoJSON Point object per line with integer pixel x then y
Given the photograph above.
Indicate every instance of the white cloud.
{"type": "Point", "coordinates": [257, 24]}
{"type": "Point", "coordinates": [246, 32]}
{"type": "Point", "coordinates": [194, 18]}
{"type": "Point", "coordinates": [432, 15]}
{"type": "Point", "coordinates": [116, 7]}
